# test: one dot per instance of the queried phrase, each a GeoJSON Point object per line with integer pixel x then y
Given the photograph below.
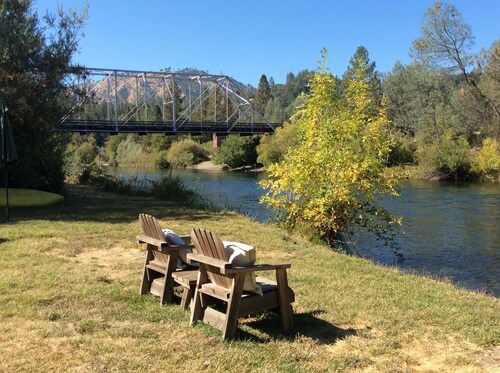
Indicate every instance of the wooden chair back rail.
{"type": "Point", "coordinates": [151, 227]}
{"type": "Point", "coordinates": [208, 244]}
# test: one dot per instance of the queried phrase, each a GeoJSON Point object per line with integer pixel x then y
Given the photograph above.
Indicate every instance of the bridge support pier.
{"type": "Point", "coordinates": [217, 141]}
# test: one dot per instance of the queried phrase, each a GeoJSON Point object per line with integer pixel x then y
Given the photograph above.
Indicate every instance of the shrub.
{"type": "Point", "coordinates": [273, 148]}
{"type": "Point", "coordinates": [449, 156]}
{"type": "Point", "coordinates": [403, 151]}
{"type": "Point", "coordinates": [87, 152]}
{"type": "Point", "coordinates": [486, 162]}
{"type": "Point", "coordinates": [111, 148]}
{"type": "Point", "coordinates": [161, 159]}
{"type": "Point", "coordinates": [93, 174]}
{"type": "Point", "coordinates": [186, 152]}
{"type": "Point", "coordinates": [237, 151]}
{"type": "Point", "coordinates": [172, 188]}
{"type": "Point", "coordinates": [129, 152]}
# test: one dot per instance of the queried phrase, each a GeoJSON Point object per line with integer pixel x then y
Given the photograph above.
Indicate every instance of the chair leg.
{"type": "Point", "coordinates": [284, 301]}
{"type": "Point", "coordinates": [187, 294]}
{"type": "Point", "coordinates": [167, 296]}
{"type": "Point", "coordinates": [233, 307]}
{"type": "Point", "coordinates": [197, 311]}
{"type": "Point", "coordinates": [146, 279]}
{"type": "Point", "coordinates": [145, 283]}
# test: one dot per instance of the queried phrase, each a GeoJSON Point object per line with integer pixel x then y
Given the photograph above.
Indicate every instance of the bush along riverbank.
{"type": "Point", "coordinates": [76, 306]}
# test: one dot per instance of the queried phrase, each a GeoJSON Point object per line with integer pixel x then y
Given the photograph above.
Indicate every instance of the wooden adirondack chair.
{"type": "Point", "coordinates": [161, 274]}
{"type": "Point", "coordinates": [220, 282]}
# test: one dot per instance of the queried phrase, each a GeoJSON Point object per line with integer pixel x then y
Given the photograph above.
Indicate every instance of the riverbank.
{"type": "Point", "coordinates": [69, 280]}
{"type": "Point", "coordinates": [210, 166]}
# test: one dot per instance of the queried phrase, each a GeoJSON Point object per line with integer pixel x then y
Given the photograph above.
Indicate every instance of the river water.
{"type": "Point", "coordinates": [451, 231]}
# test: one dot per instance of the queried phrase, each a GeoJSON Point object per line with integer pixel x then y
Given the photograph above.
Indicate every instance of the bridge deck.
{"type": "Point", "coordinates": [167, 128]}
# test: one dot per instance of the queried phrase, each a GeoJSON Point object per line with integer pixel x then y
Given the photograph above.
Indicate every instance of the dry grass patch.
{"type": "Point", "coordinates": [116, 262]}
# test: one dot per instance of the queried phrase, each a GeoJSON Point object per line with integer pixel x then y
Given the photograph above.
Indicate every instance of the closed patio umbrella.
{"type": "Point", "coordinates": [8, 153]}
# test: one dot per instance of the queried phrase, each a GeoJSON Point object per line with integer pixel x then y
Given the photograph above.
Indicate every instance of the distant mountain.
{"type": "Point", "coordinates": [127, 87]}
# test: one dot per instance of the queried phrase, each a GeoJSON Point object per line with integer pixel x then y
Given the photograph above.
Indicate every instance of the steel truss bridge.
{"type": "Point", "coordinates": [126, 101]}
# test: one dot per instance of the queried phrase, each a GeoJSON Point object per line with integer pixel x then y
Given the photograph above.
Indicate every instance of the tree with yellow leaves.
{"type": "Point", "coordinates": [330, 181]}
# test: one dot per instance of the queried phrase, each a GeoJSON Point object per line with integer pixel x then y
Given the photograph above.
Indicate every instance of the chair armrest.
{"type": "Point", "coordinates": [257, 267]}
{"type": "Point", "coordinates": [161, 245]}
{"type": "Point", "coordinates": [187, 240]}
{"type": "Point", "coordinates": [152, 241]}
{"type": "Point", "coordinates": [222, 265]}
{"type": "Point", "coordinates": [227, 268]}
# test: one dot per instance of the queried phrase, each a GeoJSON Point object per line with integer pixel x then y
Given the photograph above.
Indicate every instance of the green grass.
{"type": "Point", "coordinates": [69, 283]}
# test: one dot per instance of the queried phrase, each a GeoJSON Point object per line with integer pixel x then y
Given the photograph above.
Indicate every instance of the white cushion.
{"type": "Point", "coordinates": [240, 254]}
{"type": "Point", "coordinates": [173, 239]}
{"type": "Point", "coordinates": [243, 255]}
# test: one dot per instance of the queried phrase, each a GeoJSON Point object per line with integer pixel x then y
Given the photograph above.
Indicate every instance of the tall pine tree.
{"type": "Point", "coordinates": [262, 95]}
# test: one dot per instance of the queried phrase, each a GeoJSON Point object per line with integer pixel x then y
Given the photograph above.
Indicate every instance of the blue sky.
{"type": "Point", "coordinates": [245, 39]}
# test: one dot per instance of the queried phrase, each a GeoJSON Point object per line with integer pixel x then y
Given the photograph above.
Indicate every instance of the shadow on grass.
{"type": "Point", "coordinates": [305, 325]}
{"type": "Point", "coordinates": [308, 325]}
{"type": "Point", "coordinates": [115, 209]}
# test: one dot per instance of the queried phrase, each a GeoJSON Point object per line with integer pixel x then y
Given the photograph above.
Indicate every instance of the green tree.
{"type": "Point", "coordinates": [490, 84]}
{"type": "Point", "coordinates": [35, 54]}
{"type": "Point", "coordinates": [286, 97]}
{"type": "Point", "coordinates": [490, 66]}
{"type": "Point", "coordinates": [262, 95]}
{"type": "Point", "coordinates": [111, 148]}
{"type": "Point", "coordinates": [359, 58]}
{"type": "Point", "coordinates": [237, 151]}
{"type": "Point", "coordinates": [329, 182]}
{"type": "Point", "coordinates": [447, 39]}
{"type": "Point", "coordinates": [87, 152]}
{"type": "Point", "coordinates": [418, 100]}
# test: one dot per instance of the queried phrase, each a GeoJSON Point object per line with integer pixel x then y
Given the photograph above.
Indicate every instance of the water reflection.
{"type": "Point", "coordinates": [452, 231]}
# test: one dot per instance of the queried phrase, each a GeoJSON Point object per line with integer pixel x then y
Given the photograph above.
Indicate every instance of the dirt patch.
{"type": "Point", "coordinates": [209, 166]}
{"type": "Point", "coordinates": [412, 354]}
{"type": "Point", "coordinates": [456, 355]}
{"type": "Point", "coordinates": [116, 258]}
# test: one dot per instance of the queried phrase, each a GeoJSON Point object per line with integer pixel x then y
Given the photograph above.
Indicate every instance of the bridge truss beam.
{"type": "Point", "coordinates": [128, 101]}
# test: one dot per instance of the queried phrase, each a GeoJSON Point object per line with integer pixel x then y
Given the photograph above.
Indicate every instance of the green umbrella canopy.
{"type": "Point", "coordinates": [8, 153]}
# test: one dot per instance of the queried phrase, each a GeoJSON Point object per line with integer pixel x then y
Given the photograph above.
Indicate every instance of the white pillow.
{"type": "Point", "coordinates": [240, 254]}
{"type": "Point", "coordinates": [243, 255]}
{"type": "Point", "coordinates": [173, 239]}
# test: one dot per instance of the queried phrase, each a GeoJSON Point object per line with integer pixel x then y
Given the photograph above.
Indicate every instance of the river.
{"type": "Point", "coordinates": [451, 231]}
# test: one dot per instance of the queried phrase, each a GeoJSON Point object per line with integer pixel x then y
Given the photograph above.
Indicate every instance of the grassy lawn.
{"type": "Point", "coordinates": [69, 301]}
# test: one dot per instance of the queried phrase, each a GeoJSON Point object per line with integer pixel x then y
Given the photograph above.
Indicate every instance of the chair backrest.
{"type": "Point", "coordinates": [209, 244]}
{"type": "Point", "coordinates": [151, 227]}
